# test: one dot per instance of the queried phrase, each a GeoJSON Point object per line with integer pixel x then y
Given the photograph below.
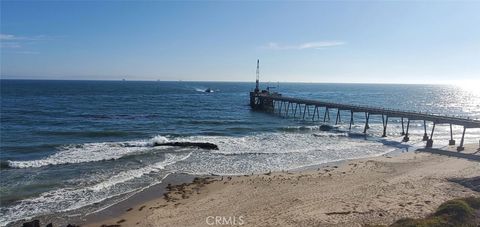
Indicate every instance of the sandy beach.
{"type": "Point", "coordinates": [376, 190]}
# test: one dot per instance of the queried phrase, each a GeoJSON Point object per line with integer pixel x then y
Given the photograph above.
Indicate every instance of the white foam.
{"type": "Point", "coordinates": [236, 155]}
{"type": "Point", "coordinates": [262, 143]}
{"type": "Point", "coordinates": [271, 142]}
{"type": "Point", "coordinates": [158, 139]}
{"type": "Point", "coordinates": [136, 173]}
{"type": "Point", "coordinates": [65, 199]}
{"type": "Point", "coordinates": [91, 152]}
{"type": "Point", "coordinates": [278, 151]}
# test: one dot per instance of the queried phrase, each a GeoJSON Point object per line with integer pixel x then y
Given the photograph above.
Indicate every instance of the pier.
{"type": "Point", "coordinates": [306, 109]}
{"type": "Point", "coordinates": [273, 102]}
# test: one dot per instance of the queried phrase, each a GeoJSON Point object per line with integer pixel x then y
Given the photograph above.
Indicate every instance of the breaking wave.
{"type": "Point", "coordinates": [91, 152]}
{"type": "Point", "coordinates": [66, 199]}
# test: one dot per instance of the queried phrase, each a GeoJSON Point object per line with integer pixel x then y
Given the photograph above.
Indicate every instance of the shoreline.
{"type": "Point", "coordinates": [143, 203]}
{"type": "Point", "coordinates": [102, 210]}
{"type": "Point", "coordinates": [117, 205]}
{"type": "Point", "coordinates": [140, 197]}
{"type": "Point", "coordinates": [153, 192]}
{"type": "Point", "coordinates": [315, 191]}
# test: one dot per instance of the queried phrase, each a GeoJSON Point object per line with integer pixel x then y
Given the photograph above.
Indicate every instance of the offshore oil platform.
{"type": "Point", "coordinates": [275, 103]}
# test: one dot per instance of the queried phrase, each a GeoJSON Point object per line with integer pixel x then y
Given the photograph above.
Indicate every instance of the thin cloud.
{"type": "Point", "coordinates": [10, 37]}
{"type": "Point", "coordinates": [303, 46]}
{"type": "Point", "coordinates": [6, 37]}
{"type": "Point", "coordinates": [10, 45]}
{"type": "Point", "coordinates": [20, 44]}
{"type": "Point", "coordinates": [22, 52]}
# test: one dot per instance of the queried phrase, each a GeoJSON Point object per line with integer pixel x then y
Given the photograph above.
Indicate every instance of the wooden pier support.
{"type": "Point", "coordinates": [304, 111]}
{"type": "Point", "coordinates": [385, 123]}
{"type": "Point", "coordinates": [451, 141]}
{"type": "Point", "coordinates": [337, 119]}
{"type": "Point", "coordinates": [406, 138]}
{"type": "Point", "coordinates": [295, 111]}
{"type": "Point", "coordinates": [327, 114]}
{"type": "Point", "coordinates": [425, 136]}
{"type": "Point", "coordinates": [461, 148]}
{"type": "Point", "coordinates": [288, 108]}
{"type": "Point", "coordinates": [351, 120]}
{"type": "Point", "coordinates": [299, 110]}
{"type": "Point", "coordinates": [367, 116]}
{"type": "Point", "coordinates": [430, 141]}
{"type": "Point", "coordinates": [403, 131]}
{"type": "Point", "coordinates": [280, 109]}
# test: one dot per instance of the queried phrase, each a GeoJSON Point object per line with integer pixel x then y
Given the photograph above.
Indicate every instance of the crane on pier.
{"type": "Point", "coordinates": [257, 89]}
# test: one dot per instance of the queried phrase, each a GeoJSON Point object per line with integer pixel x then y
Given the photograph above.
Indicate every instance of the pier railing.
{"type": "Point", "coordinates": [289, 106]}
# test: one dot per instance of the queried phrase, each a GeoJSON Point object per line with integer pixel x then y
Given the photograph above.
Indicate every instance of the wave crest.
{"type": "Point", "coordinates": [65, 199]}
{"type": "Point", "coordinates": [90, 152]}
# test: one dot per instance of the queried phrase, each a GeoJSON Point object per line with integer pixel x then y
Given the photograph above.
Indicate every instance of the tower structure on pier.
{"type": "Point", "coordinates": [257, 89]}
{"type": "Point", "coordinates": [255, 101]}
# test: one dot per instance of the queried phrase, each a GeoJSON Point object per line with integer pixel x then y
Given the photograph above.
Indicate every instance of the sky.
{"type": "Point", "coordinates": [345, 42]}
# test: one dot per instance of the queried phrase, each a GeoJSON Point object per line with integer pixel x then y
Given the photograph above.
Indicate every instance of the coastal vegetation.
{"type": "Point", "coordinates": [457, 212]}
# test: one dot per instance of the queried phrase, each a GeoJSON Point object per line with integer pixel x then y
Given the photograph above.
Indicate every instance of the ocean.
{"type": "Point", "coordinates": [69, 144]}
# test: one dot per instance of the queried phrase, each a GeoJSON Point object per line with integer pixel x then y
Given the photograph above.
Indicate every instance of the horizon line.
{"type": "Point", "coordinates": [228, 81]}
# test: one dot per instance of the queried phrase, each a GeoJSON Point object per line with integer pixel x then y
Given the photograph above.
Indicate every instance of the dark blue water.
{"type": "Point", "coordinates": [68, 144]}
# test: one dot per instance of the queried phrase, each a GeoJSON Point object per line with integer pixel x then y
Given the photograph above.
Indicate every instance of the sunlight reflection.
{"type": "Point", "coordinates": [472, 86]}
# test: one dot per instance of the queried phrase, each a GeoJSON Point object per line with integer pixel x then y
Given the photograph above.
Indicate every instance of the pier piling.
{"type": "Point", "coordinates": [318, 113]}
{"type": "Point", "coordinates": [351, 120]}
{"type": "Point", "coordinates": [430, 141]}
{"type": "Point", "coordinates": [403, 131]}
{"type": "Point", "coordinates": [325, 115]}
{"type": "Point", "coordinates": [461, 148]}
{"type": "Point", "coordinates": [337, 119]}
{"type": "Point", "coordinates": [295, 111]}
{"type": "Point", "coordinates": [406, 138]}
{"type": "Point", "coordinates": [367, 116]}
{"type": "Point", "coordinates": [304, 111]}
{"type": "Point", "coordinates": [385, 123]}
{"type": "Point", "coordinates": [451, 141]}
{"type": "Point", "coordinates": [288, 108]}
{"type": "Point", "coordinates": [425, 136]}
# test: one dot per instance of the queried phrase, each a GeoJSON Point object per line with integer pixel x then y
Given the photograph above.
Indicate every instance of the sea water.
{"type": "Point", "coordinates": [68, 144]}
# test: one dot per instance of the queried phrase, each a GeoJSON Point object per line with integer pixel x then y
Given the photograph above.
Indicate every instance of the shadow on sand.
{"type": "Point", "coordinates": [470, 156]}
{"type": "Point", "coordinates": [472, 183]}
{"type": "Point", "coordinates": [396, 144]}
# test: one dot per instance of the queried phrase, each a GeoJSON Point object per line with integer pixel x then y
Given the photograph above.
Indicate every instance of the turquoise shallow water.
{"type": "Point", "coordinates": [68, 144]}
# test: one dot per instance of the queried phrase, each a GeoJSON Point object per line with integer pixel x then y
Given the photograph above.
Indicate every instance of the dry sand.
{"type": "Point", "coordinates": [376, 190]}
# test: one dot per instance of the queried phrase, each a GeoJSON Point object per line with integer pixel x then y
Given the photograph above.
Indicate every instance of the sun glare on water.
{"type": "Point", "coordinates": [471, 86]}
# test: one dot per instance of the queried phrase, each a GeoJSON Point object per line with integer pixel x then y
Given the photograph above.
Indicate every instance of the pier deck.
{"type": "Point", "coordinates": [276, 103]}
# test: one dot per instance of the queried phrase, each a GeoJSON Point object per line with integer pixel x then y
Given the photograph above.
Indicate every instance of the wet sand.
{"type": "Point", "coordinates": [376, 190]}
